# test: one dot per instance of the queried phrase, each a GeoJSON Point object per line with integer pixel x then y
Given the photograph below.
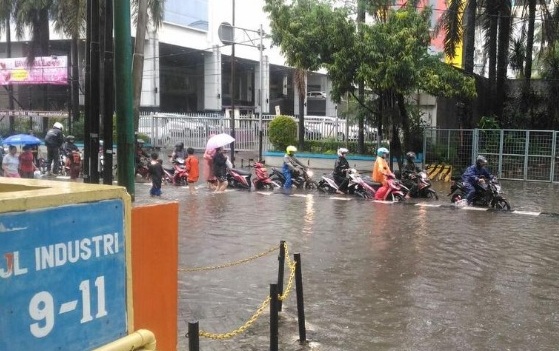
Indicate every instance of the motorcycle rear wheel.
{"type": "Point", "coordinates": [397, 198]}
{"type": "Point", "coordinates": [311, 185]}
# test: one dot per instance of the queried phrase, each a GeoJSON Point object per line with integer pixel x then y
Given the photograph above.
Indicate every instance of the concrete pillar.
{"type": "Point", "coordinates": [150, 80]}
{"type": "Point", "coordinates": [265, 85]}
{"type": "Point", "coordinates": [330, 105]}
{"type": "Point", "coordinates": [212, 80]}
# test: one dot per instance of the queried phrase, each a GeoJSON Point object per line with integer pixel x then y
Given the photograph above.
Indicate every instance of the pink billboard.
{"type": "Point", "coordinates": [45, 70]}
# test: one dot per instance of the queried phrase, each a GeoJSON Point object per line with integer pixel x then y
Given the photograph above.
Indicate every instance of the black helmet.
{"type": "Point", "coordinates": [481, 161]}
{"type": "Point", "coordinates": [179, 145]}
{"type": "Point", "coordinates": [410, 156]}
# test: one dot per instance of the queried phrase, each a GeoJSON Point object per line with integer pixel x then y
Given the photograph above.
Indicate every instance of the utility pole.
{"type": "Point", "coordinates": [233, 89]}
{"type": "Point", "coordinates": [108, 91]}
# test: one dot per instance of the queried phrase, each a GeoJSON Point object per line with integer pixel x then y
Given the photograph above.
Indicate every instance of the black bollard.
{"type": "Point", "coordinates": [281, 269]}
{"type": "Point", "coordinates": [300, 299]}
{"type": "Point", "coordinates": [193, 336]}
{"type": "Point", "coordinates": [273, 317]}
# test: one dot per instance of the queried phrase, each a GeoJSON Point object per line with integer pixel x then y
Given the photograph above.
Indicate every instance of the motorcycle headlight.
{"type": "Point", "coordinates": [310, 173]}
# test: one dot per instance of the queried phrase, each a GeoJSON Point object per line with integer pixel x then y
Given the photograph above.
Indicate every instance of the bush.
{"type": "Point", "coordinates": [282, 132]}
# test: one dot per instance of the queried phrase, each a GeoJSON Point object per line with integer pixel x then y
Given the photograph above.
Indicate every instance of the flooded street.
{"type": "Point", "coordinates": [376, 276]}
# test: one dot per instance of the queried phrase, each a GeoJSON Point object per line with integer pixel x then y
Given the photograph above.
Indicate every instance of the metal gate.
{"type": "Point", "coordinates": [512, 154]}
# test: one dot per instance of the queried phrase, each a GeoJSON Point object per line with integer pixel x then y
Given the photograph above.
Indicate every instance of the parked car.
{"type": "Point", "coordinates": [369, 133]}
{"type": "Point", "coordinates": [167, 132]}
{"type": "Point", "coordinates": [316, 95]}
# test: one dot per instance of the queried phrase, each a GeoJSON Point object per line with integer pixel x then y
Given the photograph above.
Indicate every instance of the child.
{"type": "Point", "coordinates": [155, 170]}
{"type": "Point", "coordinates": [74, 161]}
{"type": "Point", "coordinates": [26, 162]}
{"type": "Point", "coordinates": [192, 169]}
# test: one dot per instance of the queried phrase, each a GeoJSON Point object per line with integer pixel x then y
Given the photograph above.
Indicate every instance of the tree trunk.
{"type": "Point", "coordinates": [503, 58]}
{"type": "Point", "coordinates": [138, 60]}
{"type": "Point", "coordinates": [469, 36]}
{"type": "Point", "coordinates": [361, 84]}
{"type": "Point", "coordinates": [75, 87]}
{"type": "Point", "coordinates": [299, 79]}
{"type": "Point", "coordinates": [10, 87]}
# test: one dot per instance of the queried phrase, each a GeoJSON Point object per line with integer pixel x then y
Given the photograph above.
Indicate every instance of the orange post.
{"type": "Point", "coordinates": [154, 271]}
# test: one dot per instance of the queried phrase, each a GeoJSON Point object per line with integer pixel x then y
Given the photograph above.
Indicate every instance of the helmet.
{"type": "Point", "coordinates": [179, 145]}
{"type": "Point", "coordinates": [481, 161]}
{"type": "Point", "coordinates": [58, 125]}
{"type": "Point", "coordinates": [70, 138]}
{"type": "Point", "coordinates": [342, 151]}
{"type": "Point", "coordinates": [410, 156]}
{"type": "Point", "coordinates": [382, 152]}
{"type": "Point", "coordinates": [291, 149]}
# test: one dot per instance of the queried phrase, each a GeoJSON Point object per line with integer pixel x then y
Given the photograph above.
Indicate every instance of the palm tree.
{"type": "Point", "coordinates": [144, 11]}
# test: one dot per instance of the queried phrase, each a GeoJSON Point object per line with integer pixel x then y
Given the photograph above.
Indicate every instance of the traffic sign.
{"type": "Point", "coordinates": [63, 277]}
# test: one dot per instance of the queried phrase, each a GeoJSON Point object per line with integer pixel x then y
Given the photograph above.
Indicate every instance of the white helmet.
{"type": "Point", "coordinates": [58, 125]}
{"type": "Point", "coordinates": [342, 151]}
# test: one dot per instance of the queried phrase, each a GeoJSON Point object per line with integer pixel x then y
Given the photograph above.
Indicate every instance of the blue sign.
{"type": "Point", "coordinates": [63, 277]}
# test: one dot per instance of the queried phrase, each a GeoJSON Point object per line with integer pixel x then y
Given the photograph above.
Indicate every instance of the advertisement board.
{"type": "Point", "coordinates": [63, 277]}
{"type": "Point", "coordinates": [45, 70]}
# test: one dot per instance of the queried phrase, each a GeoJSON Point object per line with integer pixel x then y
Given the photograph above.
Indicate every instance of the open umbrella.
{"type": "Point", "coordinates": [219, 140]}
{"type": "Point", "coordinates": [22, 139]}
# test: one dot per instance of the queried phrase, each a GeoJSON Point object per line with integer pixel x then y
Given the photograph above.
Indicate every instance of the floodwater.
{"type": "Point", "coordinates": [375, 276]}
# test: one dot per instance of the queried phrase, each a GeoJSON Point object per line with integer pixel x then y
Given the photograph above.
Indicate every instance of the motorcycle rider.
{"type": "Point", "coordinates": [473, 176]}
{"type": "Point", "coordinates": [410, 166]}
{"type": "Point", "coordinates": [340, 171]}
{"type": "Point", "coordinates": [68, 147]}
{"type": "Point", "coordinates": [409, 173]}
{"type": "Point", "coordinates": [54, 140]}
{"type": "Point", "coordinates": [291, 166]}
{"type": "Point", "coordinates": [380, 167]}
{"type": "Point", "coordinates": [179, 152]}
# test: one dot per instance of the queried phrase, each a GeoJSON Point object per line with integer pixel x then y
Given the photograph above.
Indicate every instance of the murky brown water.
{"type": "Point", "coordinates": [376, 276]}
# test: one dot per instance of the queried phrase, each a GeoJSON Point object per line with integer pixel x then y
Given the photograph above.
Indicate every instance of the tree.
{"type": "Point", "coordinates": [390, 57]}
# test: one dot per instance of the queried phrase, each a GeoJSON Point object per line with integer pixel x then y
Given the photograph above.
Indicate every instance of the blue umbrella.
{"type": "Point", "coordinates": [22, 139]}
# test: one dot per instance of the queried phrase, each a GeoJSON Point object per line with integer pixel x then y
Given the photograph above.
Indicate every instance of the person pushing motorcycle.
{"type": "Point", "coordinates": [290, 166]}
{"type": "Point", "coordinates": [340, 171]}
{"type": "Point", "coordinates": [380, 167]}
{"type": "Point", "coordinates": [473, 176]}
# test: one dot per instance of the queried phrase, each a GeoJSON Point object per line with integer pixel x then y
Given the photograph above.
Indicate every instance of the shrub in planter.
{"type": "Point", "coordinates": [282, 132]}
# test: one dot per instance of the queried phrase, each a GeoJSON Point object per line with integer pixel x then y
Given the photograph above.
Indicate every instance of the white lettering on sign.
{"type": "Point", "coordinates": [59, 254]}
{"type": "Point", "coordinates": [12, 265]}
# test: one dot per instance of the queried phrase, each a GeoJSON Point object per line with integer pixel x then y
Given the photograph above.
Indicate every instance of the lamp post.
{"type": "Point", "coordinates": [227, 37]}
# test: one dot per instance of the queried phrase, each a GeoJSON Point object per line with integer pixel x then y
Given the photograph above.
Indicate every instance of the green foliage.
{"type": "Point", "coordinates": [487, 122]}
{"type": "Point", "coordinates": [282, 132]}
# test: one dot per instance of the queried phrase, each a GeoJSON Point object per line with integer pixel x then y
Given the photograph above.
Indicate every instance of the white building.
{"type": "Point", "coordinates": [188, 69]}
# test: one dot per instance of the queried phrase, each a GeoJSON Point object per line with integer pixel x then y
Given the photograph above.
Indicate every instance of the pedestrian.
{"type": "Point", "coordinates": [34, 149]}
{"type": "Point", "coordinates": [220, 169]}
{"type": "Point", "coordinates": [27, 162]}
{"type": "Point", "coordinates": [54, 140]}
{"type": "Point", "coordinates": [192, 168]}
{"type": "Point", "coordinates": [74, 162]}
{"type": "Point", "coordinates": [208, 169]}
{"type": "Point", "coordinates": [155, 170]}
{"type": "Point", "coordinates": [10, 163]}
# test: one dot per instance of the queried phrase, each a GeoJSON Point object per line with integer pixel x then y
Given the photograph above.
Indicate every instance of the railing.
{"type": "Point", "coordinates": [512, 154]}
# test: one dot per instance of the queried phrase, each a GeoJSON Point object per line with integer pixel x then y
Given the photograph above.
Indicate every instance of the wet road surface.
{"type": "Point", "coordinates": [376, 276]}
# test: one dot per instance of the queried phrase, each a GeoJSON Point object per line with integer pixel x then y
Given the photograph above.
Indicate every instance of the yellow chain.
{"type": "Point", "coordinates": [292, 265]}
{"type": "Point", "coordinates": [244, 327]}
{"type": "Point", "coordinates": [208, 268]}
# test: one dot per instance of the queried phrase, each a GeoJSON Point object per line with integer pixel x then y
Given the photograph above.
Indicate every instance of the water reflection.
{"type": "Point", "coordinates": [378, 276]}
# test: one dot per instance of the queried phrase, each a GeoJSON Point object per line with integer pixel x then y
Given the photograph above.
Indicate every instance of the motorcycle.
{"type": "Point", "coordinates": [392, 190]}
{"type": "Point", "coordinates": [419, 185]}
{"type": "Point", "coordinates": [301, 178]}
{"type": "Point", "coordinates": [238, 178]}
{"type": "Point", "coordinates": [357, 185]}
{"type": "Point", "coordinates": [177, 174]}
{"type": "Point", "coordinates": [488, 194]}
{"type": "Point", "coordinates": [142, 168]}
{"type": "Point", "coordinates": [262, 179]}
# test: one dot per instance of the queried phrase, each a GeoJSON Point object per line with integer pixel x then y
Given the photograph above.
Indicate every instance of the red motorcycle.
{"type": "Point", "coordinates": [392, 190]}
{"type": "Point", "coordinates": [262, 179]}
{"type": "Point", "coordinates": [177, 175]}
